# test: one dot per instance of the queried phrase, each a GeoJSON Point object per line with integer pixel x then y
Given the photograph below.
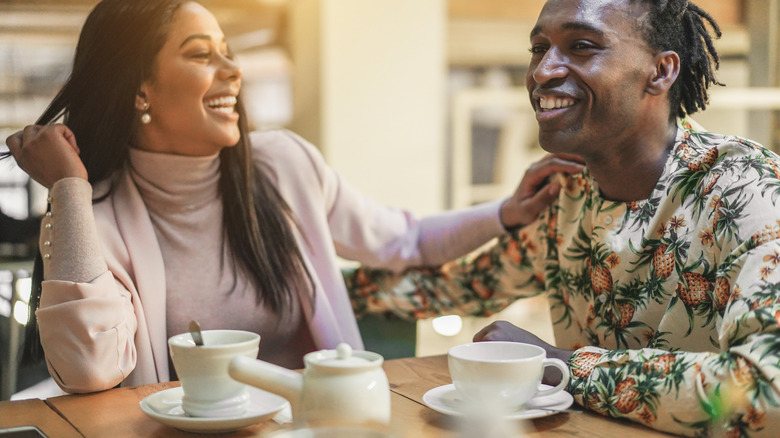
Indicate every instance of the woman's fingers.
{"type": "Point", "coordinates": [14, 142]}
{"type": "Point", "coordinates": [68, 135]}
{"type": "Point", "coordinates": [29, 133]}
{"type": "Point", "coordinates": [538, 174]}
{"type": "Point", "coordinates": [47, 153]}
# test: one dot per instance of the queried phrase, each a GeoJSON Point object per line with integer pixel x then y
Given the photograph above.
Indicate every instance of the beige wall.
{"type": "Point", "coordinates": [369, 90]}
{"type": "Point", "coordinates": [724, 11]}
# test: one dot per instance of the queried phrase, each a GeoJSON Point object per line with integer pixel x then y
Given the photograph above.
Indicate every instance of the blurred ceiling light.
{"type": "Point", "coordinates": [449, 325]}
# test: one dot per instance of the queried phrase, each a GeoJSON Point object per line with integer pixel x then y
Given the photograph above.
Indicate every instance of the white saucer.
{"type": "Point", "coordinates": [445, 399]}
{"type": "Point", "coordinates": [165, 407]}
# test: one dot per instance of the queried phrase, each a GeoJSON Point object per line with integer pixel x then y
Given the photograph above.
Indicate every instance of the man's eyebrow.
{"type": "Point", "coordinates": [579, 25]}
{"type": "Point", "coordinates": [197, 36]}
{"type": "Point", "coordinates": [572, 25]}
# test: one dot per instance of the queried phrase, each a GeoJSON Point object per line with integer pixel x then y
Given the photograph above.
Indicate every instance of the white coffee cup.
{"type": "Point", "coordinates": [203, 371]}
{"type": "Point", "coordinates": [501, 374]}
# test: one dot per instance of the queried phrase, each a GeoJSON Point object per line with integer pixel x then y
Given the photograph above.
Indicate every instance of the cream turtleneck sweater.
{"type": "Point", "coordinates": [185, 206]}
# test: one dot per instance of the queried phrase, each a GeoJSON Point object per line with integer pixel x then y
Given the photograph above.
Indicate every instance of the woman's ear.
{"type": "Point", "coordinates": [665, 72]}
{"type": "Point", "coordinates": [141, 99]}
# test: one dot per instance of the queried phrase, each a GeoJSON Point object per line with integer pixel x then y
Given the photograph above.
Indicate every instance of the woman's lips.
{"type": "Point", "coordinates": [223, 105]}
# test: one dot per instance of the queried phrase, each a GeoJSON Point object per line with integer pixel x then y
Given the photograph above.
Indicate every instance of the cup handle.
{"type": "Point", "coordinates": [564, 380]}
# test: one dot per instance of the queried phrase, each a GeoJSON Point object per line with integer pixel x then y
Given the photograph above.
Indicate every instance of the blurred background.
{"type": "Point", "coordinates": [420, 104]}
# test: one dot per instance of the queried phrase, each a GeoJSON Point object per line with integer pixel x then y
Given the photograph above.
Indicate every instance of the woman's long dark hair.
{"type": "Point", "coordinates": [115, 54]}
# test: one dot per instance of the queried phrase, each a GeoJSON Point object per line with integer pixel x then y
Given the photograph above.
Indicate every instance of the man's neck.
{"type": "Point", "coordinates": [630, 172]}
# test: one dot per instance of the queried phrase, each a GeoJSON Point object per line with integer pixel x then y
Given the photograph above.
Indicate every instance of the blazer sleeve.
{"type": "Point", "coordinates": [385, 237]}
{"type": "Point", "coordinates": [86, 318]}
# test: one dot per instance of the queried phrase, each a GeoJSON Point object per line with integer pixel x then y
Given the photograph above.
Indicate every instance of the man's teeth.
{"type": "Point", "coordinates": [548, 103]}
{"type": "Point", "coordinates": [224, 104]}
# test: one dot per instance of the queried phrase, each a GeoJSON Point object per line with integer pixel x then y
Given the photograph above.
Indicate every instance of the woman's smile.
{"type": "Point", "coordinates": [223, 106]}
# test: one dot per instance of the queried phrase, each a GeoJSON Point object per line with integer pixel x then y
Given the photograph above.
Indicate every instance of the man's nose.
{"type": "Point", "coordinates": [552, 66]}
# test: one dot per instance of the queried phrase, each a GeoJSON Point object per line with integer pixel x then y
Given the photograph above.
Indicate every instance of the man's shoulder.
{"type": "Point", "coordinates": [700, 150]}
{"type": "Point", "coordinates": [730, 182]}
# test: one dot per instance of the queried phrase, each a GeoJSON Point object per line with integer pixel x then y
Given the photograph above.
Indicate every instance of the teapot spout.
{"type": "Point", "coordinates": [268, 377]}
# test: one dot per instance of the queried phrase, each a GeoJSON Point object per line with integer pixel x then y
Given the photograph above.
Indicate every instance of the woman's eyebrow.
{"type": "Point", "coordinates": [197, 36]}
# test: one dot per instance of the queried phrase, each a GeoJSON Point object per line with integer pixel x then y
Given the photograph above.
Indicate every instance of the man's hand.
{"type": "Point", "coordinates": [535, 192]}
{"type": "Point", "coordinates": [47, 153]}
{"type": "Point", "coordinates": [505, 331]}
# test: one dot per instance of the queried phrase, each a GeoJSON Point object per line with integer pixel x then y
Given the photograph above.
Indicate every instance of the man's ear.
{"type": "Point", "coordinates": [667, 68]}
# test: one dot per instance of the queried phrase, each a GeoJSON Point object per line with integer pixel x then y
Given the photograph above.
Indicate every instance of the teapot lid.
{"type": "Point", "coordinates": [343, 356]}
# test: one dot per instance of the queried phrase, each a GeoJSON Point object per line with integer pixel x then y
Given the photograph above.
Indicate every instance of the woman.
{"type": "Point", "coordinates": [163, 208]}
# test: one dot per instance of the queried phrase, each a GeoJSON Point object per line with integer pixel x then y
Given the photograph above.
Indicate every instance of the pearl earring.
{"type": "Point", "coordinates": [145, 117]}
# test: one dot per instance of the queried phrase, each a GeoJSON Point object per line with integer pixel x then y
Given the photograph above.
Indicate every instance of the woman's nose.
{"type": "Point", "coordinates": [551, 66]}
{"type": "Point", "coordinates": [230, 69]}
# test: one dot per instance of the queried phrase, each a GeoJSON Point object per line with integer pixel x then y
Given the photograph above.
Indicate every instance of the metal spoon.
{"type": "Point", "coordinates": [195, 332]}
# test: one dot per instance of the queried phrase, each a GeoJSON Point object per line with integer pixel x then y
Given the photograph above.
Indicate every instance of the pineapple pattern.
{"type": "Point", "coordinates": [671, 304]}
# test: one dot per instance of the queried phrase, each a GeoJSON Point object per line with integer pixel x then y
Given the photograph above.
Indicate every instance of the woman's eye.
{"type": "Point", "coordinates": [202, 55]}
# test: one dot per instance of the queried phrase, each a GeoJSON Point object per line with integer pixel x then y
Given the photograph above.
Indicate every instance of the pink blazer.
{"type": "Point", "coordinates": [116, 330]}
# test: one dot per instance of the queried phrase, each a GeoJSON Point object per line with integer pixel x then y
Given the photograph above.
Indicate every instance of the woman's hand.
{"type": "Point", "coordinates": [535, 192]}
{"type": "Point", "coordinates": [47, 153]}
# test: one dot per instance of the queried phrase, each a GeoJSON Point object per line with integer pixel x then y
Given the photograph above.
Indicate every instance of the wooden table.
{"type": "Point", "coordinates": [115, 413]}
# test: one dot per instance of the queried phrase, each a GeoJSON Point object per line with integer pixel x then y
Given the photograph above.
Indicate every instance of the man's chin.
{"type": "Point", "coordinates": [558, 141]}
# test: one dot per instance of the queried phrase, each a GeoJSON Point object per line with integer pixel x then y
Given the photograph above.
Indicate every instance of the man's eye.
{"type": "Point", "coordinates": [580, 45]}
{"type": "Point", "coordinates": [202, 55]}
{"type": "Point", "coordinates": [537, 49]}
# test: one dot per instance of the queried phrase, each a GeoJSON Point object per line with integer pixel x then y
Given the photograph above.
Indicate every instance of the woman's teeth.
{"type": "Point", "coordinates": [223, 104]}
{"type": "Point", "coordinates": [551, 103]}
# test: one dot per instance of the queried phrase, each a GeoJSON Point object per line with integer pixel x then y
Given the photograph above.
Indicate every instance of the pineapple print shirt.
{"type": "Point", "coordinates": [671, 303]}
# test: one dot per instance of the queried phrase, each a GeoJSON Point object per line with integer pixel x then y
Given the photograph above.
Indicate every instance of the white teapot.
{"type": "Point", "coordinates": [337, 387]}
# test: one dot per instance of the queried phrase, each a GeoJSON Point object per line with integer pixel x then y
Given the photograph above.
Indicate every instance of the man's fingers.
{"type": "Point", "coordinates": [480, 336]}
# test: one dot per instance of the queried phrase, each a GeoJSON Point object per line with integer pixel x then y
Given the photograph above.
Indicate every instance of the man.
{"type": "Point", "coordinates": [661, 259]}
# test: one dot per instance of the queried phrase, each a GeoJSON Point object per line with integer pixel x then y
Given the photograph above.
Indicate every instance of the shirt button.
{"type": "Point", "coordinates": [608, 220]}
{"type": "Point", "coordinates": [603, 298]}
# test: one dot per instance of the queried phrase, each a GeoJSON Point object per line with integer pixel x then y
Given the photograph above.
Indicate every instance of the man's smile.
{"type": "Point", "coordinates": [552, 103]}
